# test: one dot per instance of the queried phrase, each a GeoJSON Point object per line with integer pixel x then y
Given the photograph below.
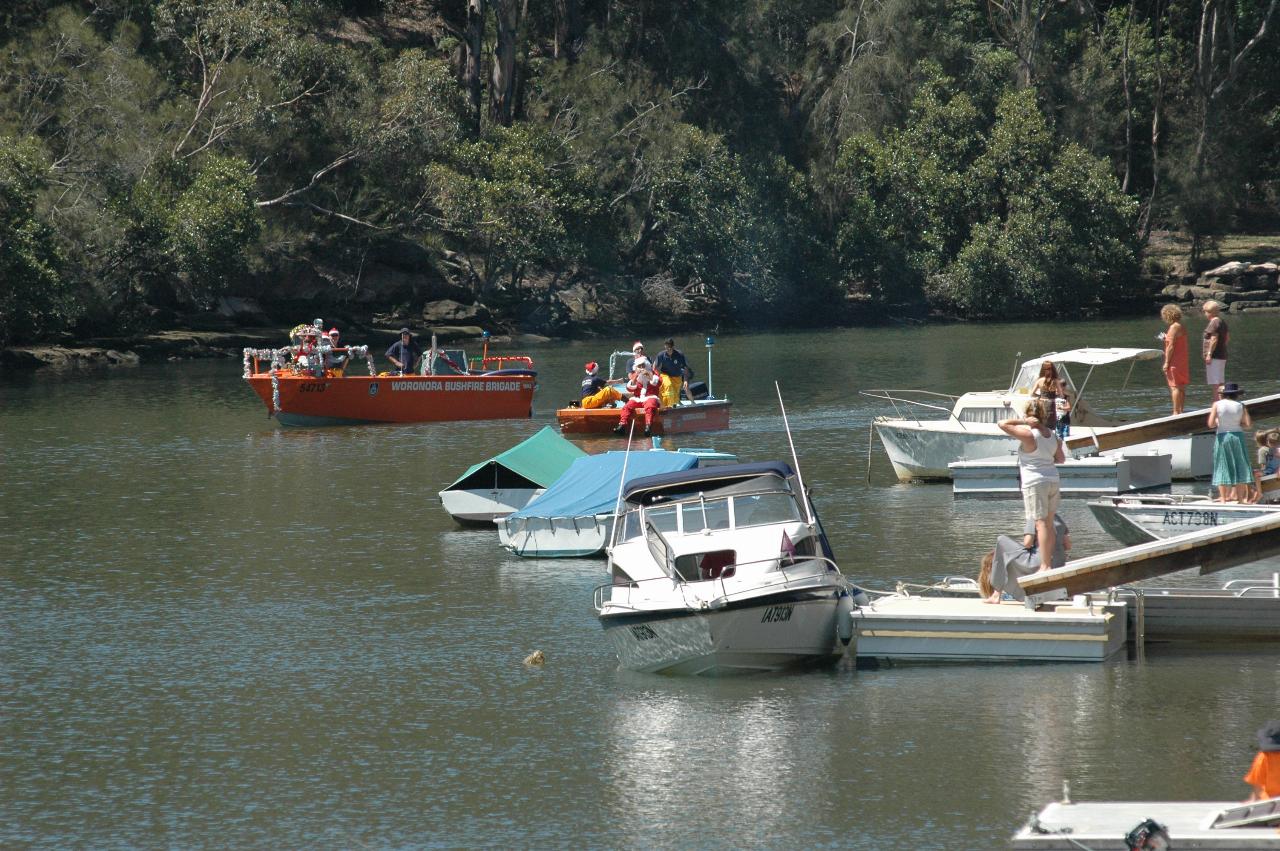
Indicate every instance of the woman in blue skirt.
{"type": "Point", "coordinates": [1232, 472]}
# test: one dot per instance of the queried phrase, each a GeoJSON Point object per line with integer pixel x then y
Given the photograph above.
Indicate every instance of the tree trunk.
{"type": "Point", "coordinates": [471, 74]}
{"type": "Point", "coordinates": [568, 29]}
{"type": "Point", "coordinates": [1128, 103]}
{"type": "Point", "coordinates": [508, 16]}
{"type": "Point", "coordinates": [1148, 215]}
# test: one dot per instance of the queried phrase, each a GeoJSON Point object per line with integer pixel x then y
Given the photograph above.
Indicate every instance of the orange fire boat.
{"type": "Point", "coordinates": [299, 391]}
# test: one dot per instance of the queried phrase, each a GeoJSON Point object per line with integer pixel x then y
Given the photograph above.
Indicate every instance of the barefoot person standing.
{"type": "Point", "coordinates": [1039, 453]}
{"type": "Point", "coordinates": [1216, 335]}
{"type": "Point", "coordinates": [1177, 369]}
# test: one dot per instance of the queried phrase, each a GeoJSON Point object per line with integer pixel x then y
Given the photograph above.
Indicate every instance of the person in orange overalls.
{"type": "Point", "coordinates": [1264, 773]}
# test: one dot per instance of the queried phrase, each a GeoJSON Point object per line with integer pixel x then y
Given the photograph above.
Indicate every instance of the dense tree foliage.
{"type": "Point", "coordinates": [755, 161]}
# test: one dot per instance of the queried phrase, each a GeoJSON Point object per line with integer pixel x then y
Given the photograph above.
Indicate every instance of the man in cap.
{"type": "Point", "coordinates": [337, 357]}
{"type": "Point", "coordinates": [596, 392]}
{"type": "Point", "coordinates": [405, 352]}
{"type": "Point", "coordinates": [671, 365]}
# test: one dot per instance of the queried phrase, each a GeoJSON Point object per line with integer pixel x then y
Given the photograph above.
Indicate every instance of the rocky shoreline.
{"type": "Point", "coordinates": [1238, 286]}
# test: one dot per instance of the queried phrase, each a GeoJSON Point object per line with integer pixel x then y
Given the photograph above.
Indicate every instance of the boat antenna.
{"type": "Point", "coordinates": [1017, 361]}
{"type": "Point", "coordinates": [622, 480]}
{"type": "Point", "coordinates": [711, 341]}
{"type": "Point", "coordinates": [808, 509]}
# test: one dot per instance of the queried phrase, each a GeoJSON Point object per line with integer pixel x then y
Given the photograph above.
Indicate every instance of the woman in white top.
{"type": "Point", "coordinates": [1232, 472]}
{"type": "Point", "coordinates": [1039, 451]}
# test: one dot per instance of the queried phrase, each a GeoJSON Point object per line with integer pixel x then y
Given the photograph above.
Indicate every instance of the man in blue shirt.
{"type": "Point", "coordinates": [404, 353]}
{"type": "Point", "coordinates": [674, 369]}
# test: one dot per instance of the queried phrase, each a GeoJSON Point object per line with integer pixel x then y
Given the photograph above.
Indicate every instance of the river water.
{"type": "Point", "coordinates": [216, 632]}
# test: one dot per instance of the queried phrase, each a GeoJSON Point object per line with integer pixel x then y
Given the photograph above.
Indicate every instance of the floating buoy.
{"type": "Point", "coordinates": [535, 659]}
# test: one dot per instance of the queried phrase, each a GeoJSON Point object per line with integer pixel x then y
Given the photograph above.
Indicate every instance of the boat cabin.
{"type": "Point", "coordinates": [705, 524]}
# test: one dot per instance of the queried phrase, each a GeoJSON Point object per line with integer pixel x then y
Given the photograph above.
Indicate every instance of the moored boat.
{"type": "Point", "coordinates": [574, 518]}
{"type": "Point", "coordinates": [723, 570]}
{"type": "Point", "coordinates": [1137, 519]}
{"type": "Point", "coordinates": [963, 428]}
{"type": "Point", "coordinates": [301, 393]}
{"type": "Point", "coordinates": [702, 412]}
{"type": "Point", "coordinates": [509, 480]}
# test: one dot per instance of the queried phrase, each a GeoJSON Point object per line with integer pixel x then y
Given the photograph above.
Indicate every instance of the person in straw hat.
{"type": "Point", "coordinates": [1232, 472]}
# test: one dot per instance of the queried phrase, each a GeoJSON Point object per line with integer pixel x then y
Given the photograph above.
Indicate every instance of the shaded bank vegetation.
{"type": "Point", "coordinates": [593, 162]}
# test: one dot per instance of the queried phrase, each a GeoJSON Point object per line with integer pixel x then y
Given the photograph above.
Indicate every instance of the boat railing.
{"type": "Point", "coordinates": [904, 397]}
{"type": "Point", "coordinates": [1254, 587]}
{"type": "Point", "coordinates": [787, 579]}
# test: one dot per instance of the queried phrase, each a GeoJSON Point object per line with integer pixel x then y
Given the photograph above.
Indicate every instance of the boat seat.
{"type": "Point", "coordinates": [717, 564]}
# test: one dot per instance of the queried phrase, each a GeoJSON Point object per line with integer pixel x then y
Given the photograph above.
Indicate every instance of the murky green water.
{"type": "Point", "coordinates": [214, 632]}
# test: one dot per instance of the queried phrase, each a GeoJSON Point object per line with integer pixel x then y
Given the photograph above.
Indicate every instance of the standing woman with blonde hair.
{"type": "Point", "coordinates": [1039, 451]}
{"type": "Point", "coordinates": [1177, 366]}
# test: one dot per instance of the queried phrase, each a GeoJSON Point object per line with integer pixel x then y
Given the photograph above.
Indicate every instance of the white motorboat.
{"type": "Point", "coordinates": [1138, 519]}
{"type": "Point", "coordinates": [921, 447]}
{"type": "Point", "coordinates": [722, 570]}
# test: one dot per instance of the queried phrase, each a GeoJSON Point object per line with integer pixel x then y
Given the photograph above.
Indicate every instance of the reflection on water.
{"type": "Point", "coordinates": [212, 627]}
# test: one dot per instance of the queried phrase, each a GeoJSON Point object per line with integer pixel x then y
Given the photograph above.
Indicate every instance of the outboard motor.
{"type": "Point", "coordinates": [698, 389]}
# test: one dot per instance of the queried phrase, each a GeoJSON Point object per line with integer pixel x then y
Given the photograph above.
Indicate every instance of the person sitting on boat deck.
{"type": "Point", "coordinates": [1268, 441]}
{"type": "Point", "coordinates": [404, 353]}
{"type": "Point", "coordinates": [596, 392]}
{"type": "Point", "coordinates": [673, 368]}
{"type": "Point", "coordinates": [337, 354]}
{"type": "Point", "coordinates": [1046, 387]}
{"type": "Point", "coordinates": [1039, 453]}
{"type": "Point", "coordinates": [1264, 772]}
{"type": "Point", "coordinates": [643, 388]}
{"type": "Point", "coordinates": [1012, 559]}
{"type": "Point", "coordinates": [1232, 473]}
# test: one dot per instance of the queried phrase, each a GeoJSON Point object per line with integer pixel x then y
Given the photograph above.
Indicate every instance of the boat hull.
{"type": "Point", "coordinates": [922, 449]}
{"type": "Point", "coordinates": [482, 507]}
{"type": "Point", "coordinates": [555, 537]}
{"type": "Point", "coordinates": [705, 415]}
{"type": "Point", "coordinates": [359, 399]}
{"type": "Point", "coordinates": [1137, 521]}
{"type": "Point", "coordinates": [770, 633]}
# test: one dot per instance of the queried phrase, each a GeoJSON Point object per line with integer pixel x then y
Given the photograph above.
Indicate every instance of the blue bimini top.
{"type": "Point", "coordinates": [590, 485]}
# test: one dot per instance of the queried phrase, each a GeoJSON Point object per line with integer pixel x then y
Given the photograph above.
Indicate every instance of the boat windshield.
{"type": "Point", "coordinates": [694, 516]}
{"type": "Point", "coordinates": [1031, 371]}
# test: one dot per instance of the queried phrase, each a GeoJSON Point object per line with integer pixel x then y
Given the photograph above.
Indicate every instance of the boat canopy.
{"type": "Point", "coordinates": [590, 486]}
{"type": "Point", "coordinates": [538, 461]}
{"type": "Point", "coordinates": [1094, 356]}
{"type": "Point", "coordinates": [651, 488]}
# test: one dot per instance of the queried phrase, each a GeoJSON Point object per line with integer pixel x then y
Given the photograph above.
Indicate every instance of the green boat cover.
{"type": "Point", "coordinates": [540, 460]}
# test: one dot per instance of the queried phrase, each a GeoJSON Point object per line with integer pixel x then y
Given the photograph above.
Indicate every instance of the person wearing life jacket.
{"type": "Point", "coordinates": [643, 387]}
{"type": "Point", "coordinates": [596, 392]}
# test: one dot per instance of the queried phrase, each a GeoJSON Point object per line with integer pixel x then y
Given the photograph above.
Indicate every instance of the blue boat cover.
{"type": "Point", "coordinates": [590, 485]}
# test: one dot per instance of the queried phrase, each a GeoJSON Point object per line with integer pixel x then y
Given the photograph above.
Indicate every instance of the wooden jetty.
{"type": "Point", "coordinates": [1221, 825]}
{"type": "Point", "coordinates": [1160, 428]}
{"type": "Point", "coordinates": [949, 628]}
{"type": "Point", "coordinates": [1212, 549]}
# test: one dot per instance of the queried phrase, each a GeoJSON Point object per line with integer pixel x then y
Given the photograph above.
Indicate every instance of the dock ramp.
{"type": "Point", "coordinates": [1211, 549]}
{"type": "Point", "coordinates": [1145, 431]}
